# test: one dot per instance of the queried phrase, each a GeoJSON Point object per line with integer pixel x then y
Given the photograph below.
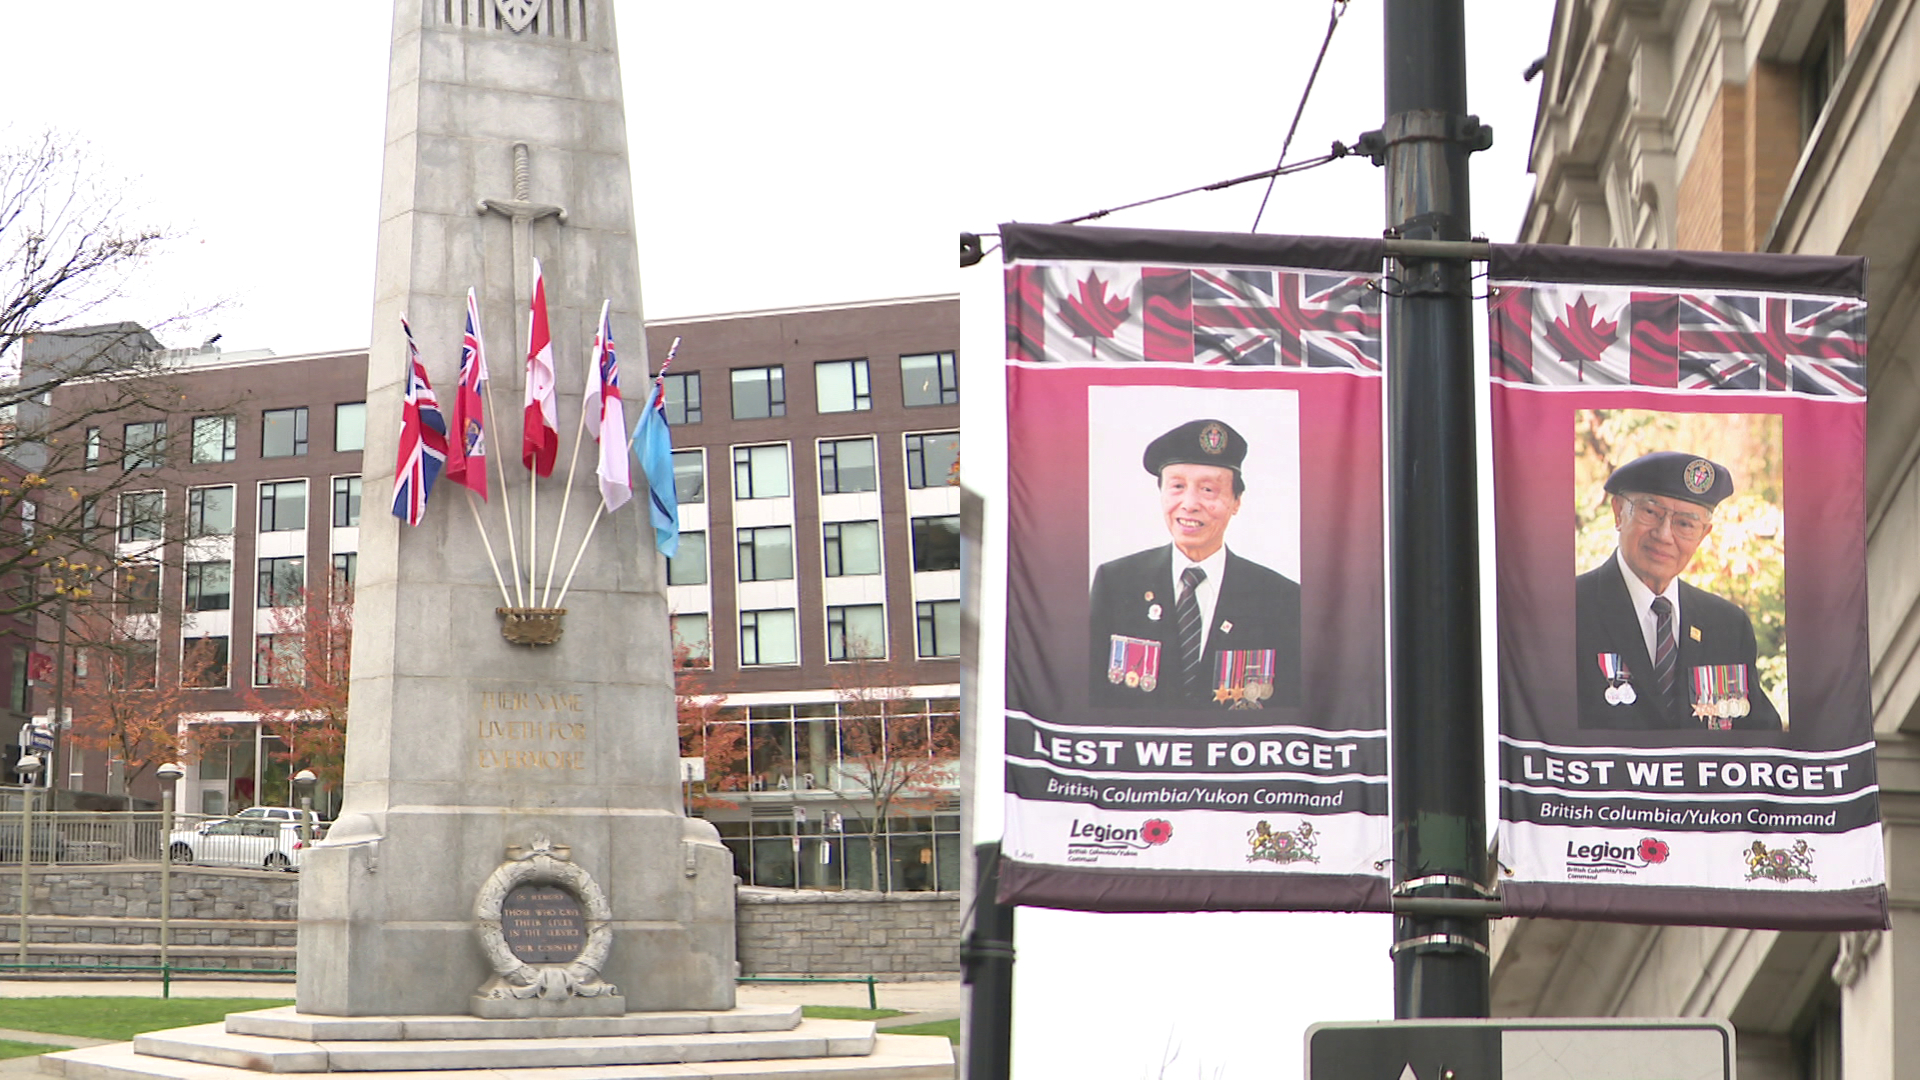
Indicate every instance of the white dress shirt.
{"type": "Point", "coordinates": [1642, 598]}
{"type": "Point", "coordinates": [1208, 592]}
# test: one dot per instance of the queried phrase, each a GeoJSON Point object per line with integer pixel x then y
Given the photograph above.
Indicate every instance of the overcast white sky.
{"type": "Point", "coordinates": [798, 154]}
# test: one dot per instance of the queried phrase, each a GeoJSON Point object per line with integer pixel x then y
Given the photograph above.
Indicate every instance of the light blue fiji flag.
{"type": "Point", "coordinates": [654, 446]}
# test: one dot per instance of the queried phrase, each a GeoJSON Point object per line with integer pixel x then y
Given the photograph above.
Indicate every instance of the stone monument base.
{"type": "Point", "coordinates": [740, 1044]}
{"type": "Point", "coordinates": [511, 1008]}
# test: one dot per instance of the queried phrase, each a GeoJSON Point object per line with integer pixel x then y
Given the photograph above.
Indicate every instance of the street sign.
{"type": "Point", "coordinates": [1620, 1048]}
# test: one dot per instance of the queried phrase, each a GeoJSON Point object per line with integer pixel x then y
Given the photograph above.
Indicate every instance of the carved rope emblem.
{"type": "Point", "coordinates": [519, 14]}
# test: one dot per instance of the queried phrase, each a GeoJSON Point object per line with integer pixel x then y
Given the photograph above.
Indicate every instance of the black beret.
{"type": "Point", "coordinates": [1196, 442]}
{"type": "Point", "coordinates": [1688, 477]}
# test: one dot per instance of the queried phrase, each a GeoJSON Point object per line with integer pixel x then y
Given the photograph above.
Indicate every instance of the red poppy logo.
{"type": "Point", "coordinates": [1653, 851]}
{"type": "Point", "coordinates": [1156, 831]}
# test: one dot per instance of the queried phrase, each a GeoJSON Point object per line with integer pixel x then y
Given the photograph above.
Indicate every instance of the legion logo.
{"type": "Point", "coordinates": [1091, 841]}
{"type": "Point", "coordinates": [1592, 861]}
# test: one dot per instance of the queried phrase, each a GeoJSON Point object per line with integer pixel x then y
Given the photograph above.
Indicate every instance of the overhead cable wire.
{"type": "Point", "coordinates": [1339, 151]}
{"type": "Point", "coordinates": [1333, 23]}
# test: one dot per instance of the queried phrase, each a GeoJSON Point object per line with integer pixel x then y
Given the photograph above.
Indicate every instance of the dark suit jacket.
{"type": "Point", "coordinates": [1260, 608]}
{"type": "Point", "coordinates": [1712, 632]}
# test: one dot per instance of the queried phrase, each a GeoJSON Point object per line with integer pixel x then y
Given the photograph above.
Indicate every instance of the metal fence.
{"type": "Point", "coordinates": [78, 837]}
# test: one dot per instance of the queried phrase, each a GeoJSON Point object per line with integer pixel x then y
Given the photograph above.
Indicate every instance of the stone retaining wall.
{"type": "Point", "coordinates": [896, 935]}
{"type": "Point", "coordinates": [236, 919]}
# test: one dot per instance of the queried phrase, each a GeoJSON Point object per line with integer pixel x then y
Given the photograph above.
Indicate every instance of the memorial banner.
{"type": "Point", "coordinates": [1195, 644]}
{"type": "Point", "coordinates": [1686, 733]}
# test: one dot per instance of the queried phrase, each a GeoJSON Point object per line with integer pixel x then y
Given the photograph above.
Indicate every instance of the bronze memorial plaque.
{"type": "Point", "coordinates": [543, 924]}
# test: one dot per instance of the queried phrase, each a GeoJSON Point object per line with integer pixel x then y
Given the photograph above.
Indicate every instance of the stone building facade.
{"type": "Point", "coordinates": [1784, 126]}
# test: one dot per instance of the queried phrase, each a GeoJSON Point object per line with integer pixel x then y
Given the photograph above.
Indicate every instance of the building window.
{"type": "Point", "coordinates": [760, 472]}
{"type": "Point", "coordinates": [767, 637]}
{"type": "Point", "coordinates": [283, 432]}
{"type": "Point", "coordinates": [759, 392]}
{"type": "Point", "coordinates": [282, 583]}
{"type": "Point", "coordinates": [346, 501]}
{"type": "Point", "coordinates": [930, 379]}
{"type": "Point", "coordinates": [215, 439]}
{"type": "Point", "coordinates": [847, 465]}
{"type": "Point", "coordinates": [141, 514]}
{"type": "Point", "coordinates": [279, 660]}
{"type": "Point", "coordinates": [691, 645]}
{"type": "Point", "coordinates": [932, 458]}
{"type": "Point", "coordinates": [203, 662]}
{"type": "Point", "coordinates": [683, 398]}
{"type": "Point", "coordinates": [133, 665]}
{"type": "Point", "coordinates": [210, 511]}
{"type": "Point", "coordinates": [851, 547]}
{"type": "Point", "coordinates": [145, 446]}
{"type": "Point", "coordinates": [857, 632]}
{"type": "Point", "coordinates": [89, 516]}
{"type": "Point", "coordinates": [766, 554]}
{"type": "Point", "coordinates": [93, 448]}
{"type": "Point", "coordinates": [140, 587]}
{"type": "Point", "coordinates": [283, 505]}
{"type": "Point", "coordinates": [346, 566]}
{"type": "Point", "coordinates": [938, 622]}
{"type": "Point", "coordinates": [690, 476]}
{"type": "Point", "coordinates": [689, 567]}
{"type": "Point", "coordinates": [936, 543]}
{"type": "Point", "coordinates": [842, 386]}
{"type": "Point", "coordinates": [349, 427]}
{"type": "Point", "coordinates": [209, 586]}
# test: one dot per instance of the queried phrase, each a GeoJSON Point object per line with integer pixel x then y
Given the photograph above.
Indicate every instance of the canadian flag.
{"type": "Point", "coordinates": [540, 431]}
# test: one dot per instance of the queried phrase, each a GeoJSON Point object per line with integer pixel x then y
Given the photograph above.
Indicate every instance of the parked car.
{"type": "Point", "coordinates": [268, 813]}
{"type": "Point", "coordinates": [267, 844]}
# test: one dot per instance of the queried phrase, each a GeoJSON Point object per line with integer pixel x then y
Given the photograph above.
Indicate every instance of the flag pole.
{"type": "Point", "coordinates": [566, 494]}
{"type": "Point", "coordinates": [598, 512]}
{"type": "Point", "coordinates": [473, 504]}
{"type": "Point", "coordinates": [506, 507]}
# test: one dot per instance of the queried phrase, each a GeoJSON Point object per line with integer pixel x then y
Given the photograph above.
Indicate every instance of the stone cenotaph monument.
{"type": "Point", "coordinates": [511, 883]}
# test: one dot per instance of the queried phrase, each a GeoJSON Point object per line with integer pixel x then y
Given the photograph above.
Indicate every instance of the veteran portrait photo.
{"type": "Point", "coordinates": [1654, 652]}
{"type": "Point", "coordinates": [1189, 623]}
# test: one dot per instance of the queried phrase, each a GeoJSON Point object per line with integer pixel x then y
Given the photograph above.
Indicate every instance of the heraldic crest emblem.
{"type": "Point", "coordinates": [519, 14]}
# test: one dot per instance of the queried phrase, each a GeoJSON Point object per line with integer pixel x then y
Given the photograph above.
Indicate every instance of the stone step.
{"type": "Point", "coordinates": [893, 1057]}
{"type": "Point", "coordinates": [212, 1044]}
{"type": "Point", "coordinates": [285, 1022]}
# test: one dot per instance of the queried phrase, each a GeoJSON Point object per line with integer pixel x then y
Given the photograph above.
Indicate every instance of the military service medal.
{"type": "Point", "coordinates": [1133, 661]}
{"type": "Point", "coordinates": [1243, 678]}
{"type": "Point", "coordinates": [1619, 690]}
{"type": "Point", "coordinates": [1720, 695]}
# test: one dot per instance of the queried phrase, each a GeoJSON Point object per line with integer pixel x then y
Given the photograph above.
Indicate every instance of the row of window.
{"type": "Point", "coordinates": [283, 508]}
{"type": "Point", "coordinates": [847, 548]}
{"type": "Point", "coordinates": [854, 632]}
{"type": "Point", "coordinates": [205, 662]}
{"type": "Point", "coordinates": [847, 466]}
{"type": "Point", "coordinates": [283, 433]}
{"type": "Point", "coordinates": [280, 581]}
{"type": "Point", "coordinates": [758, 393]}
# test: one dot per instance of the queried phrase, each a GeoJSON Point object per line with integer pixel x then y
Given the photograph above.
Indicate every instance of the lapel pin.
{"type": "Point", "coordinates": [1226, 626]}
{"type": "Point", "coordinates": [1693, 632]}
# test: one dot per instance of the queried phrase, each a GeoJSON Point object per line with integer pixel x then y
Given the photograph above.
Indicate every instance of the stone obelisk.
{"type": "Point", "coordinates": [506, 142]}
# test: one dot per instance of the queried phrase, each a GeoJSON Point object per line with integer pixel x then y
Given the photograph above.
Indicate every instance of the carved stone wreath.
{"type": "Point", "coordinates": [514, 979]}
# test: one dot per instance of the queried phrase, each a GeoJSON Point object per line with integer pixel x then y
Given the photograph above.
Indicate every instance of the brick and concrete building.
{"type": "Point", "coordinates": [1759, 125]}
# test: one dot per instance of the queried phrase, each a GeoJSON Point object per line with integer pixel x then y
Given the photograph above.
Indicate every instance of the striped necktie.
{"type": "Point", "coordinates": [1664, 651]}
{"type": "Point", "coordinates": [1187, 610]}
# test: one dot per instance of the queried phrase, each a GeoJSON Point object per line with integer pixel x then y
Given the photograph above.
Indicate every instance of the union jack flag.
{"type": "Point", "coordinates": [1079, 312]}
{"type": "Point", "coordinates": [1596, 335]}
{"type": "Point", "coordinates": [423, 439]}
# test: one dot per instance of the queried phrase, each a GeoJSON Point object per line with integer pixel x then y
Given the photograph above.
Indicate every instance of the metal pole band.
{"type": "Point", "coordinates": [1437, 943]}
{"type": "Point", "coordinates": [1407, 887]}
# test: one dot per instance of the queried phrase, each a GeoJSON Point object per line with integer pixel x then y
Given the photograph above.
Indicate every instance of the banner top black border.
{"type": "Point", "coordinates": [1101, 244]}
{"type": "Point", "coordinates": [1836, 275]}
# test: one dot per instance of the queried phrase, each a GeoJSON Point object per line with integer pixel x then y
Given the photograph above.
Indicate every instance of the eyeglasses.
{"type": "Point", "coordinates": [1684, 526]}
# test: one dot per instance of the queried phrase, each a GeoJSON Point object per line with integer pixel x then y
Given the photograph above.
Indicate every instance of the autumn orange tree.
{"type": "Point", "coordinates": [893, 755]}
{"type": "Point", "coordinates": [125, 705]}
{"type": "Point", "coordinates": [705, 732]}
{"type": "Point", "coordinates": [305, 662]}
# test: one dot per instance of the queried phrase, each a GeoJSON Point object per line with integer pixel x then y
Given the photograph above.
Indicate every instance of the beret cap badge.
{"type": "Point", "coordinates": [1699, 476]}
{"type": "Point", "coordinates": [1213, 439]}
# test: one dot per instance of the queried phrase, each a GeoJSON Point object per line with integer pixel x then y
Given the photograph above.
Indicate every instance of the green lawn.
{"type": "Point", "coordinates": [836, 1012]}
{"type": "Point", "coordinates": [949, 1028]}
{"type": "Point", "coordinates": [11, 1049]}
{"type": "Point", "coordinates": [118, 1018]}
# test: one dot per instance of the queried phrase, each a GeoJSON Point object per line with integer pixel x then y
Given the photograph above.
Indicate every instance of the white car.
{"type": "Point", "coordinates": [268, 813]}
{"type": "Point", "coordinates": [268, 845]}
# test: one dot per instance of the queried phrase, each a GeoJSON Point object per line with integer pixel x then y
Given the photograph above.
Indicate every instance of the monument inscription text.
{"type": "Point", "coordinates": [532, 730]}
{"type": "Point", "coordinates": [542, 924]}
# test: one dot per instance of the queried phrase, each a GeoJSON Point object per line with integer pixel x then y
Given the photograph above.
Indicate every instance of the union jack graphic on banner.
{"type": "Point", "coordinates": [1083, 312]}
{"type": "Point", "coordinates": [423, 439]}
{"type": "Point", "coordinates": [1596, 335]}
